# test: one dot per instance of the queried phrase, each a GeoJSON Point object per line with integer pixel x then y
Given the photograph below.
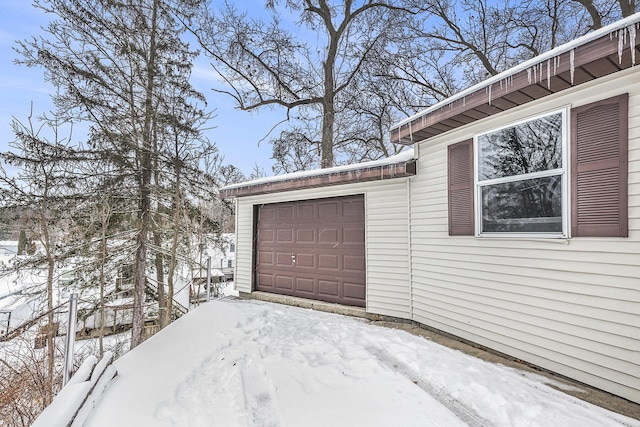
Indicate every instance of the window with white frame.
{"type": "Point", "coordinates": [521, 183]}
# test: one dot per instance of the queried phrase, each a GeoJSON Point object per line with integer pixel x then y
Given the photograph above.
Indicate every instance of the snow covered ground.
{"type": "Point", "coordinates": [251, 363]}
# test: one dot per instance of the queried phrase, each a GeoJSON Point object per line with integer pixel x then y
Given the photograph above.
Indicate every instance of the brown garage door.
{"type": "Point", "coordinates": [313, 249]}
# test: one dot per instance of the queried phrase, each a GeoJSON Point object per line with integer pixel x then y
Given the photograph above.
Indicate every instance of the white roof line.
{"type": "Point", "coordinates": [626, 22]}
{"type": "Point", "coordinates": [404, 156]}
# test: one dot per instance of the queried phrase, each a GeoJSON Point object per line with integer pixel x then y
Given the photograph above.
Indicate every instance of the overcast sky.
{"type": "Point", "coordinates": [236, 133]}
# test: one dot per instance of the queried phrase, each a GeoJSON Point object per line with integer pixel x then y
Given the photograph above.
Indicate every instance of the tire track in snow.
{"type": "Point", "coordinates": [462, 411]}
{"type": "Point", "coordinates": [258, 389]}
{"type": "Point", "coordinates": [258, 394]}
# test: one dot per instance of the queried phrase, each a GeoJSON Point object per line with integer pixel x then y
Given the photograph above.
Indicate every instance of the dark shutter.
{"type": "Point", "coordinates": [460, 174]}
{"type": "Point", "coordinates": [599, 140]}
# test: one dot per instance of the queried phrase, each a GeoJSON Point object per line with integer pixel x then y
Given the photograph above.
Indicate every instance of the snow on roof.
{"type": "Point", "coordinates": [404, 156]}
{"type": "Point", "coordinates": [629, 26]}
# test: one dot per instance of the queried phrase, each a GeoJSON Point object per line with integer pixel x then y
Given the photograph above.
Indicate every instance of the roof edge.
{"type": "Point", "coordinates": [559, 50]}
{"type": "Point", "coordinates": [339, 176]}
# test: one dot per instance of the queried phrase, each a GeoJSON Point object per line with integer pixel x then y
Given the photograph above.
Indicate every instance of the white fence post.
{"type": "Point", "coordinates": [208, 279]}
{"type": "Point", "coordinates": [71, 339]}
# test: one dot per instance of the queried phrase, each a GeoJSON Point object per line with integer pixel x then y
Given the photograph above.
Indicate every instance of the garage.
{"type": "Point", "coordinates": [312, 249]}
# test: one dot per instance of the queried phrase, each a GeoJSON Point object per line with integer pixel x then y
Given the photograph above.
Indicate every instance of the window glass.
{"type": "Point", "coordinates": [521, 184]}
{"type": "Point", "coordinates": [528, 206]}
{"type": "Point", "coordinates": [529, 147]}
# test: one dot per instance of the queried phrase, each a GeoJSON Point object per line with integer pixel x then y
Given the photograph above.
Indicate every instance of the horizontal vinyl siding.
{"type": "Point", "coordinates": [568, 305]}
{"type": "Point", "coordinates": [386, 234]}
{"type": "Point", "coordinates": [388, 290]}
{"type": "Point", "coordinates": [244, 246]}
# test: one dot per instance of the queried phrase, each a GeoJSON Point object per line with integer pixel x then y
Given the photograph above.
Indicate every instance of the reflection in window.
{"type": "Point", "coordinates": [530, 206]}
{"type": "Point", "coordinates": [520, 174]}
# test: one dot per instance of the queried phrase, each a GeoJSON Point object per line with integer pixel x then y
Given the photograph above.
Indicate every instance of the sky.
{"type": "Point", "coordinates": [252, 363]}
{"type": "Point", "coordinates": [236, 133]}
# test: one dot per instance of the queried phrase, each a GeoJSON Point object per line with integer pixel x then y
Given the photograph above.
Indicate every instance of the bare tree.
{"type": "Point", "coordinates": [41, 189]}
{"type": "Point", "coordinates": [478, 38]}
{"type": "Point", "coordinates": [308, 66]}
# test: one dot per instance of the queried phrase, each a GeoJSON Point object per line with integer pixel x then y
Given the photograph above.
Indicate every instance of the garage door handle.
{"type": "Point", "coordinates": [293, 257]}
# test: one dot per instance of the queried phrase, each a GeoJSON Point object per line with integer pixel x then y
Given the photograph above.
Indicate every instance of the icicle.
{"type": "Point", "coordinates": [632, 44]}
{"type": "Point", "coordinates": [572, 63]}
{"type": "Point", "coordinates": [621, 40]}
{"type": "Point", "coordinates": [548, 74]}
{"type": "Point", "coordinates": [539, 73]}
{"type": "Point", "coordinates": [529, 75]}
{"type": "Point", "coordinates": [488, 90]}
{"type": "Point", "coordinates": [410, 133]}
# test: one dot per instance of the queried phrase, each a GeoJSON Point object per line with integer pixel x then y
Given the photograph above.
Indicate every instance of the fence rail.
{"type": "Point", "coordinates": [73, 405]}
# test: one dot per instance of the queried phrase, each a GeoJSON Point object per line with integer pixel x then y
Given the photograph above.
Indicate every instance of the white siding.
{"type": "Point", "coordinates": [386, 234]}
{"type": "Point", "coordinates": [568, 305]}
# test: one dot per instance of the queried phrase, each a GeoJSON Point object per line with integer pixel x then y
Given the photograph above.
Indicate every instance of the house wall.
{"type": "Point", "coordinates": [386, 236]}
{"type": "Point", "coordinates": [568, 305]}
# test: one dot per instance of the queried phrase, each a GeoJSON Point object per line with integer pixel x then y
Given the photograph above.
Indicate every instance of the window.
{"type": "Point", "coordinates": [229, 263]}
{"type": "Point", "coordinates": [521, 180]}
{"type": "Point", "coordinates": [521, 184]}
{"type": "Point", "coordinates": [232, 247]}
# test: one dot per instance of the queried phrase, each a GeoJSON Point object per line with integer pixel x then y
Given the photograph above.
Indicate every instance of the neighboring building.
{"type": "Point", "coordinates": [222, 256]}
{"type": "Point", "coordinates": [520, 230]}
{"type": "Point", "coordinates": [8, 251]}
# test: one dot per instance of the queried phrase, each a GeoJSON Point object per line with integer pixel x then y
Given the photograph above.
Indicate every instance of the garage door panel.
{"type": "Point", "coordinates": [316, 247]}
{"type": "Point", "coordinates": [305, 210]}
{"type": "Point", "coordinates": [327, 209]}
{"type": "Point", "coordinates": [266, 213]}
{"type": "Point", "coordinates": [265, 280]}
{"type": "Point", "coordinates": [353, 209]}
{"type": "Point", "coordinates": [353, 235]}
{"type": "Point", "coordinates": [266, 236]}
{"type": "Point", "coordinates": [284, 282]}
{"type": "Point", "coordinates": [353, 263]}
{"type": "Point", "coordinates": [284, 212]}
{"type": "Point", "coordinates": [306, 285]}
{"type": "Point", "coordinates": [283, 259]}
{"type": "Point", "coordinates": [328, 262]}
{"type": "Point", "coordinates": [326, 235]}
{"type": "Point", "coordinates": [328, 288]}
{"type": "Point", "coordinates": [354, 290]}
{"type": "Point", "coordinates": [265, 258]}
{"type": "Point", "coordinates": [307, 260]}
{"type": "Point", "coordinates": [306, 236]}
{"type": "Point", "coordinates": [284, 235]}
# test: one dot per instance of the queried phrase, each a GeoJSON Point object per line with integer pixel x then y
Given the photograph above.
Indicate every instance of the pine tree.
{"type": "Point", "coordinates": [123, 68]}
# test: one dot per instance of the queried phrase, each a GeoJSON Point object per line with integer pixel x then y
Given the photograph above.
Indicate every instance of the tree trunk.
{"type": "Point", "coordinates": [328, 101]}
{"type": "Point", "coordinates": [140, 274]}
{"type": "Point", "coordinates": [162, 298]}
{"type": "Point", "coordinates": [627, 7]}
{"type": "Point", "coordinates": [593, 12]}
{"type": "Point", "coordinates": [327, 135]}
{"type": "Point", "coordinates": [50, 318]}
{"type": "Point", "coordinates": [174, 244]}
{"type": "Point", "coordinates": [103, 260]}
